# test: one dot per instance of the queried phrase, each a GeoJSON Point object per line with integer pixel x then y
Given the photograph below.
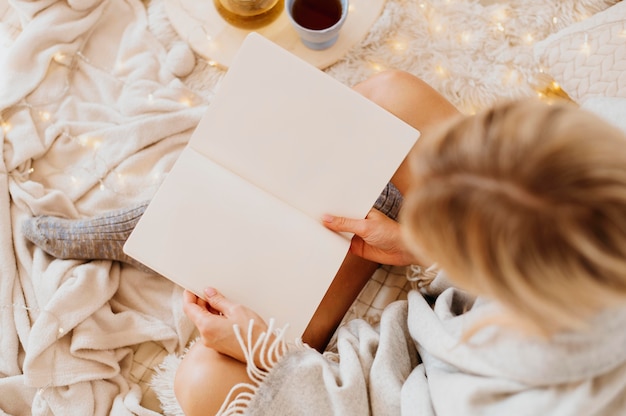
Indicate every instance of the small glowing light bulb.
{"type": "Point", "coordinates": [585, 48]}
{"type": "Point", "coordinates": [95, 143]}
{"type": "Point", "coordinates": [377, 67]}
{"type": "Point", "coordinates": [499, 15]}
{"type": "Point", "coordinates": [441, 71]}
{"type": "Point", "coordinates": [398, 45]}
{"type": "Point", "coordinates": [512, 76]}
{"type": "Point", "coordinates": [121, 178]}
{"type": "Point", "coordinates": [60, 58]}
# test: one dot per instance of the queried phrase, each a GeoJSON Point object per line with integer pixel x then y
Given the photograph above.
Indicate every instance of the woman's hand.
{"type": "Point", "coordinates": [215, 316]}
{"type": "Point", "coordinates": [377, 238]}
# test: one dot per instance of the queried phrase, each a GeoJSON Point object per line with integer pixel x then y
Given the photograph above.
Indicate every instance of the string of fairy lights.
{"type": "Point", "coordinates": [98, 169]}
{"type": "Point", "coordinates": [40, 113]}
{"type": "Point", "coordinates": [499, 20]}
{"type": "Point", "coordinates": [110, 180]}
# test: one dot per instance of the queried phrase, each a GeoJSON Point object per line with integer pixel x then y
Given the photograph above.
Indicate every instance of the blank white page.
{"type": "Point", "coordinates": [299, 134]}
{"type": "Point", "coordinates": [208, 227]}
{"type": "Point", "coordinates": [281, 144]}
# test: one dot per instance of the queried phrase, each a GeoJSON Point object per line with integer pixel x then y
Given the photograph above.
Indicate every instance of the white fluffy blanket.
{"type": "Point", "coordinates": [92, 121]}
{"type": "Point", "coordinates": [97, 98]}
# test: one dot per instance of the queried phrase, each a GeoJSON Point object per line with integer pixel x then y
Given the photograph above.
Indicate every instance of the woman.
{"type": "Point", "coordinates": [524, 207]}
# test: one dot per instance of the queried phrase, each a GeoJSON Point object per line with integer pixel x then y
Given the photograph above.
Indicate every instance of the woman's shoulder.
{"type": "Point", "coordinates": [504, 351]}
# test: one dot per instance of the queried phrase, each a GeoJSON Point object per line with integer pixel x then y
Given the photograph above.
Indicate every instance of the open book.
{"type": "Point", "coordinates": [281, 144]}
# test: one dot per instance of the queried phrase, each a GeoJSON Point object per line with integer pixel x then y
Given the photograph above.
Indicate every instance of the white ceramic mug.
{"type": "Point", "coordinates": [317, 38]}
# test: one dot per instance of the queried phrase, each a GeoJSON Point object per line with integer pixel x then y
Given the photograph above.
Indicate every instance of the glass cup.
{"type": "Point", "coordinates": [249, 14]}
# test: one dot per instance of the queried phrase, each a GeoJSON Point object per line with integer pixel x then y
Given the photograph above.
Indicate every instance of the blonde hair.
{"type": "Point", "coordinates": [526, 204]}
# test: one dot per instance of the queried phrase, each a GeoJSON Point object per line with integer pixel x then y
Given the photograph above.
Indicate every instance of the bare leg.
{"type": "Point", "coordinates": [205, 377]}
{"type": "Point", "coordinates": [346, 286]}
{"type": "Point", "coordinates": [411, 100]}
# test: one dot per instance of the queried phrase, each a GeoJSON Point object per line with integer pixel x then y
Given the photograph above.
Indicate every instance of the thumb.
{"type": "Point", "coordinates": [342, 224]}
{"type": "Point", "coordinates": [217, 301]}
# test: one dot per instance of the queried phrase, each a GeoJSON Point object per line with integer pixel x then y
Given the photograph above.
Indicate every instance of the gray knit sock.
{"type": "Point", "coordinates": [96, 238]}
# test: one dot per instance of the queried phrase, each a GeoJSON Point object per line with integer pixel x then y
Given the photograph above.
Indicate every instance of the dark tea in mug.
{"type": "Point", "coordinates": [316, 14]}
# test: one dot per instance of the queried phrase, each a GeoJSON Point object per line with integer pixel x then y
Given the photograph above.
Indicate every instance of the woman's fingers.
{"type": "Point", "coordinates": [192, 309]}
{"type": "Point", "coordinates": [376, 238]}
{"type": "Point", "coordinates": [368, 229]}
{"type": "Point", "coordinates": [219, 302]}
{"type": "Point", "coordinates": [215, 316]}
{"type": "Point", "coordinates": [342, 224]}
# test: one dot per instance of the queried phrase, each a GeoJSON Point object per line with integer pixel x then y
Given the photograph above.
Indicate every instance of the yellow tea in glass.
{"type": "Point", "coordinates": [249, 14]}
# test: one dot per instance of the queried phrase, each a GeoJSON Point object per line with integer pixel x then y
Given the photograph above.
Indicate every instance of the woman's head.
{"type": "Point", "coordinates": [526, 204]}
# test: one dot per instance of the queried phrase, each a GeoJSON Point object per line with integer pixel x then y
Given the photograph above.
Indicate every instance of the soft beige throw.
{"type": "Point", "coordinates": [92, 121]}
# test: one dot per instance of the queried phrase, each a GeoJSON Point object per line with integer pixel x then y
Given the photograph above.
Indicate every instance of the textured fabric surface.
{"type": "Point", "coordinates": [98, 97]}
{"type": "Point", "coordinates": [90, 122]}
{"type": "Point", "coordinates": [612, 109]}
{"type": "Point", "coordinates": [390, 201]}
{"type": "Point", "coordinates": [588, 59]}
{"type": "Point", "coordinates": [414, 363]}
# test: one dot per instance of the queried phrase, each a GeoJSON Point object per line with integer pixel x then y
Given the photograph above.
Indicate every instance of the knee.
{"type": "Point", "coordinates": [204, 380]}
{"type": "Point", "coordinates": [386, 85]}
{"type": "Point", "coordinates": [408, 97]}
{"type": "Point", "coordinates": [190, 381]}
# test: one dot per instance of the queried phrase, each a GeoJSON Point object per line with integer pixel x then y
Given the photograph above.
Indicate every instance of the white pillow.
{"type": "Point", "coordinates": [612, 109]}
{"type": "Point", "coordinates": [588, 58]}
